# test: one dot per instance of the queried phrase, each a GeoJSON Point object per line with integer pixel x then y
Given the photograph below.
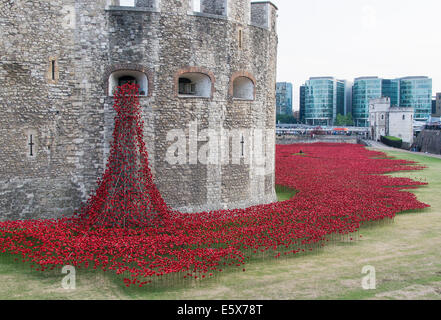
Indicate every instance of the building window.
{"type": "Point", "coordinates": [404, 117]}
{"type": "Point", "coordinates": [382, 117]}
{"type": "Point", "coordinates": [194, 84]}
{"type": "Point", "coordinates": [186, 86]}
{"type": "Point", "coordinates": [31, 146]}
{"type": "Point", "coordinates": [121, 77]}
{"type": "Point", "coordinates": [243, 88]}
{"type": "Point", "coordinates": [53, 75]}
{"type": "Point", "coordinates": [240, 38]}
{"type": "Point", "coordinates": [53, 70]}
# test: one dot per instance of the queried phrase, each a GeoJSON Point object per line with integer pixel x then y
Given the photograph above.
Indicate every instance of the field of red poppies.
{"type": "Point", "coordinates": [126, 227]}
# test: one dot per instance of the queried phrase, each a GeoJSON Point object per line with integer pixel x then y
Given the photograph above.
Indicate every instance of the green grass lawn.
{"type": "Point", "coordinates": [284, 193]}
{"type": "Point", "coordinates": [405, 253]}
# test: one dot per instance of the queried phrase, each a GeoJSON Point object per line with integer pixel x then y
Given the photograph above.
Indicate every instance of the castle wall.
{"type": "Point", "coordinates": [72, 116]}
{"type": "Point", "coordinates": [428, 141]}
{"type": "Point", "coordinates": [401, 123]}
{"type": "Point", "coordinates": [43, 184]}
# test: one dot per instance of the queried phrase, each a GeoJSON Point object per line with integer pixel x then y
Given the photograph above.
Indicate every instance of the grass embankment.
{"type": "Point", "coordinates": [284, 193]}
{"type": "Point", "coordinates": [406, 255]}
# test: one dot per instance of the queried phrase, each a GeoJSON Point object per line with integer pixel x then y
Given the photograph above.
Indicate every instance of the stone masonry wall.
{"type": "Point", "coordinates": [71, 117]}
{"type": "Point", "coordinates": [428, 141]}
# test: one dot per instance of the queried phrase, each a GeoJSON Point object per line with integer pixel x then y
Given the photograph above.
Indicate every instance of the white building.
{"type": "Point", "coordinates": [385, 120]}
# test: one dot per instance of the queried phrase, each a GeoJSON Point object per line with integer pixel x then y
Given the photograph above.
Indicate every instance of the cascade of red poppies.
{"type": "Point", "coordinates": [126, 196]}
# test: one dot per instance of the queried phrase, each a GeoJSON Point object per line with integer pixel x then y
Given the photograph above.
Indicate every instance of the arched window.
{"type": "Point", "coordinates": [243, 88]}
{"type": "Point", "coordinates": [121, 77]}
{"type": "Point", "coordinates": [194, 84]}
{"type": "Point", "coordinates": [404, 117]}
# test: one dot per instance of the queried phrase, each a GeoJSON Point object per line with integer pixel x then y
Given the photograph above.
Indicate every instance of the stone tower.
{"type": "Point", "coordinates": [203, 74]}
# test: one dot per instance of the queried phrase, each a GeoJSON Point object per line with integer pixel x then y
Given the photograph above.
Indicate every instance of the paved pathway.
{"type": "Point", "coordinates": [381, 146]}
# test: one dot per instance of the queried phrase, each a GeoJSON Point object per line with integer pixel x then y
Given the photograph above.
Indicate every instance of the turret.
{"type": "Point", "coordinates": [264, 14]}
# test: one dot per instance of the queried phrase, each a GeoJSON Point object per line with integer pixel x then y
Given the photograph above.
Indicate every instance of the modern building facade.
{"type": "Point", "coordinates": [284, 98]}
{"type": "Point", "coordinates": [416, 92]}
{"type": "Point", "coordinates": [364, 89]}
{"type": "Point", "coordinates": [407, 92]}
{"type": "Point", "coordinates": [341, 97]}
{"type": "Point", "coordinates": [391, 88]}
{"type": "Point", "coordinates": [324, 98]}
{"type": "Point", "coordinates": [302, 104]}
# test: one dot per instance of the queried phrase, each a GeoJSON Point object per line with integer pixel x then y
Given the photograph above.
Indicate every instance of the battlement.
{"type": "Point", "coordinates": [261, 14]}
{"type": "Point", "coordinates": [264, 14]}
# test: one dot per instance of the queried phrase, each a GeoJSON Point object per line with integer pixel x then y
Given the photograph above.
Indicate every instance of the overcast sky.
{"type": "Point", "coordinates": [352, 38]}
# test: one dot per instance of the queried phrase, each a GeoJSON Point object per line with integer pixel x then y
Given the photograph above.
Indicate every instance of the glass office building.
{"type": "Point", "coordinates": [416, 92]}
{"type": "Point", "coordinates": [391, 88]}
{"type": "Point", "coordinates": [302, 104]}
{"type": "Point", "coordinates": [324, 97]}
{"type": "Point", "coordinates": [341, 97]}
{"type": "Point", "coordinates": [284, 98]}
{"type": "Point", "coordinates": [364, 89]}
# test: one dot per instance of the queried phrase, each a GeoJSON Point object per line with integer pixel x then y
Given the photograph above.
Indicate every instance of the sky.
{"type": "Point", "coordinates": [352, 38]}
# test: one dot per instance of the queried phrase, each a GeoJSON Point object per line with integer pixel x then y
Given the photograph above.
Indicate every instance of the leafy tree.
{"type": "Point", "coordinates": [342, 120]}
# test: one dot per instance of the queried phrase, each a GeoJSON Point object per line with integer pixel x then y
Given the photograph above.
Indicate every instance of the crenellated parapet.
{"type": "Point", "coordinates": [261, 14]}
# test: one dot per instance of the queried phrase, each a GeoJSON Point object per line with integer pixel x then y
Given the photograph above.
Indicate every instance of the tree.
{"type": "Point", "coordinates": [342, 120]}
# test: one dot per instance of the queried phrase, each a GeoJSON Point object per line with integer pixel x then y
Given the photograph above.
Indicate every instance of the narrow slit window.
{"type": "Point", "coordinates": [53, 70]}
{"type": "Point", "coordinates": [242, 142]}
{"type": "Point", "coordinates": [240, 39]}
{"type": "Point", "coordinates": [31, 145]}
